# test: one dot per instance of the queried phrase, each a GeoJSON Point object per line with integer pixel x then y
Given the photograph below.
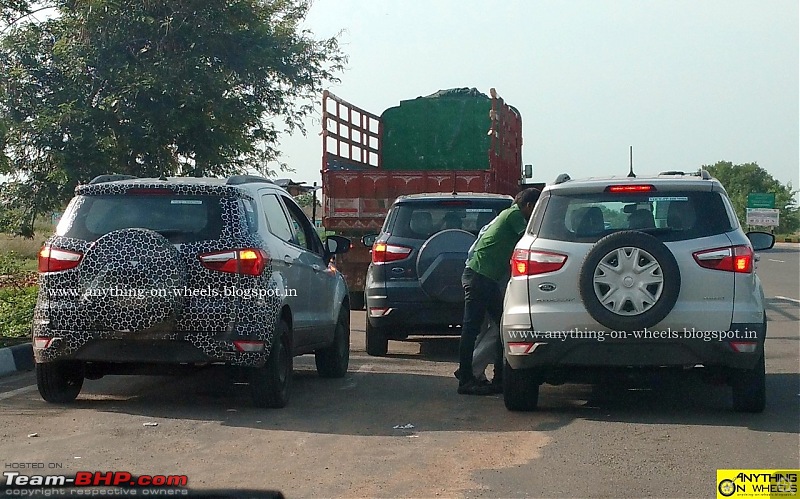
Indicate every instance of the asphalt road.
{"type": "Point", "coordinates": [337, 437]}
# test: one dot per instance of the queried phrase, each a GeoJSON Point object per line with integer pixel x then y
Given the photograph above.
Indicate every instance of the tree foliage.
{"type": "Point", "coordinates": [741, 180]}
{"type": "Point", "coordinates": [149, 88]}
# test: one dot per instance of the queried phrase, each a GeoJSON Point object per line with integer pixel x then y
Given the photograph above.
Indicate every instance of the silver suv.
{"type": "Point", "coordinates": [154, 276]}
{"type": "Point", "coordinates": [632, 274]}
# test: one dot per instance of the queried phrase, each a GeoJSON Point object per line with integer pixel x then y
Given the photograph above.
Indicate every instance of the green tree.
{"type": "Point", "coordinates": [741, 180]}
{"type": "Point", "coordinates": [149, 88]}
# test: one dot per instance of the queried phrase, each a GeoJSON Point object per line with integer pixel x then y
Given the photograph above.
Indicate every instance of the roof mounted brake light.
{"type": "Point", "coordinates": [631, 188]}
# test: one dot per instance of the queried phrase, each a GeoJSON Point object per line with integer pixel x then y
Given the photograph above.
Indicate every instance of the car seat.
{"type": "Point", "coordinates": [421, 224]}
{"type": "Point", "coordinates": [680, 215]}
{"type": "Point", "coordinates": [451, 220]}
{"type": "Point", "coordinates": [589, 220]}
{"type": "Point", "coordinates": [641, 219]}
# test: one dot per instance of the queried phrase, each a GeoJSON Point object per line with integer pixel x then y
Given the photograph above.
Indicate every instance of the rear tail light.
{"type": "Point", "coordinates": [384, 253]}
{"type": "Point", "coordinates": [528, 262]}
{"type": "Point", "coordinates": [248, 261]}
{"type": "Point", "coordinates": [54, 259]}
{"type": "Point", "coordinates": [731, 259]}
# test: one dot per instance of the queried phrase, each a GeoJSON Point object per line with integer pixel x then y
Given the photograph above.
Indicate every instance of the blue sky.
{"type": "Point", "coordinates": [685, 83]}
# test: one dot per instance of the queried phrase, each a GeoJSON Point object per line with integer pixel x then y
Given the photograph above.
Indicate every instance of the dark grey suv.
{"type": "Point", "coordinates": [145, 276]}
{"type": "Point", "coordinates": [413, 283]}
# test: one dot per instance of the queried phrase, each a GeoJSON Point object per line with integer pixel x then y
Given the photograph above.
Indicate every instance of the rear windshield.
{"type": "Point", "coordinates": [672, 216]}
{"type": "Point", "coordinates": [420, 220]}
{"type": "Point", "coordinates": [181, 219]}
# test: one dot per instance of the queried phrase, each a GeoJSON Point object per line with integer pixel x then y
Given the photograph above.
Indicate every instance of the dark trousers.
{"type": "Point", "coordinates": [482, 295]}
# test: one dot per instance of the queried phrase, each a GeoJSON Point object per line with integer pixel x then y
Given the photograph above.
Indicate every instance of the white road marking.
{"type": "Point", "coordinates": [793, 300]}
{"type": "Point", "coordinates": [18, 391]}
{"type": "Point", "coordinates": [773, 260]}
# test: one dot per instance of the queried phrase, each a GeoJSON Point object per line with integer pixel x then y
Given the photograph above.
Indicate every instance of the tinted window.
{"type": "Point", "coordinates": [180, 218]}
{"type": "Point", "coordinates": [420, 220]}
{"type": "Point", "coordinates": [305, 234]}
{"type": "Point", "coordinates": [671, 216]}
{"type": "Point", "coordinates": [276, 218]}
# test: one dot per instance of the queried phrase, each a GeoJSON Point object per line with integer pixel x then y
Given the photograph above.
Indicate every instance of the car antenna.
{"type": "Point", "coordinates": [630, 173]}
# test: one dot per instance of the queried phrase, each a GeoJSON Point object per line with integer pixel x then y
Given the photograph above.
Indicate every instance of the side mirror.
{"type": "Point", "coordinates": [336, 245]}
{"type": "Point", "coordinates": [369, 240]}
{"type": "Point", "coordinates": [761, 240]}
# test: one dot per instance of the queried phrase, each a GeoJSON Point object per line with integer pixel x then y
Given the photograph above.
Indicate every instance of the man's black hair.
{"type": "Point", "coordinates": [529, 195]}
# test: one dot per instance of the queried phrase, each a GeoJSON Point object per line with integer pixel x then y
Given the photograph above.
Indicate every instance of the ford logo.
{"type": "Point", "coordinates": [547, 286]}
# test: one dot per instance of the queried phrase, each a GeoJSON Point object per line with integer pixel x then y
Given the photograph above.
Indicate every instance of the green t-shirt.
{"type": "Point", "coordinates": [491, 254]}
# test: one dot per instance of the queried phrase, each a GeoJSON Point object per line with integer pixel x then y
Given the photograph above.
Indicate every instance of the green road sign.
{"type": "Point", "coordinates": [760, 200]}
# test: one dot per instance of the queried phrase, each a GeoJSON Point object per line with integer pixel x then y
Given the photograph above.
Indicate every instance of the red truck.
{"type": "Point", "coordinates": [456, 140]}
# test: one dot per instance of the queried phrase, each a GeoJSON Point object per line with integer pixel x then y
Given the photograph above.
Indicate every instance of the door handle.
{"type": "Point", "coordinates": [288, 260]}
{"type": "Point", "coordinates": [316, 267]}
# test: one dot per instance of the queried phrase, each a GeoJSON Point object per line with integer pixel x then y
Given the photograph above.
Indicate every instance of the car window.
{"type": "Point", "coordinates": [670, 216]}
{"type": "Point", "coordinates": [305, 235]}
{"type": "Point", "coordinates": [179, 218]}
{"type": "Point", "coordinates": [276, 218]}
{"type": "Point", "coordinates": [248, 208]}
{"type": "Point", "coordinates": [420, 220]}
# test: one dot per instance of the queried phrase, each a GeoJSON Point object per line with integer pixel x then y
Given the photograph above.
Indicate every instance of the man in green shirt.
{"type": "Point", "coordinates": [487, 270]}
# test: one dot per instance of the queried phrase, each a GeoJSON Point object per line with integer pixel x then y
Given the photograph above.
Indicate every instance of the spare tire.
{"type": "Point", "coordinates": [629, 280]}
{"type": "Point", "coordinates": [440, 263]}
{"type": "Point", "coordinates": [131, 280]}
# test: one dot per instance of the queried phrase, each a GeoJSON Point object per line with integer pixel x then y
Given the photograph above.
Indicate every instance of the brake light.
{"type": "Point", "coordinates": [248, 261]}
{"type": "Point", "coordinates": [731, 259]}
{"type": "Point", "coordinates": [631, 188]}
{"type": "Point", "coordinates": [249, 346]}
{"type": "Point", "coordinates": [54, 259]}
{"type": "Point", "coordinates": [528, 262]}
{"type": "Point", "coordinates": [384, 253]}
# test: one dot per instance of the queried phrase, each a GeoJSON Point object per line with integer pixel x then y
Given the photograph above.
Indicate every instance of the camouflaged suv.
{"type": "Point", "coordinates": [144, 276]}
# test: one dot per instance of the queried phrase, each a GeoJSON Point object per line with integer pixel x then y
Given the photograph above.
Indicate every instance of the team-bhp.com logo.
{"type": "Point", "coordinates": [757, 483]}
{"type": "Point", "coordinates": [93, 479]}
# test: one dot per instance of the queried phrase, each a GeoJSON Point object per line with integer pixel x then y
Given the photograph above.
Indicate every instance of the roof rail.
{"type": "Point", "coordinates": [247, 179]}
{"type": "Point", "coordinates": [704, 174]}
{"type": "Point", "coordinates": [110, 177]}
{"type": "Point", "coordinates": [672, 172]}
{"type": "Point", "coordinates": [562, 178]}
{"type": "Point", "coordinates": [699, 173]}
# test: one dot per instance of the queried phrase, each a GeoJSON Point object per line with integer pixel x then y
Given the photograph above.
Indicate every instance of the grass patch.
{"type": "Point", "coordinates": [17, 299]}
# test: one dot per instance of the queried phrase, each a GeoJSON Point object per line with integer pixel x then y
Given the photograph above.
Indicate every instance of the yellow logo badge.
{"type": "Point", "coordinates": [738, 484]}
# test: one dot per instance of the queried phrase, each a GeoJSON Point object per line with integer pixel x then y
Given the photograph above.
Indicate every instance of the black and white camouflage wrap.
{"type": "Point", "coordinates": [140, 259]}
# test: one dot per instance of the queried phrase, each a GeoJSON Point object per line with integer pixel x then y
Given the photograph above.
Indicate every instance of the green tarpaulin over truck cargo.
{"type": "Point", "coordinates": [447, 130]}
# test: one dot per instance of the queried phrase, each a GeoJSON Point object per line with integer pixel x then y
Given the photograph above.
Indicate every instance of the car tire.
{"type": "Point", "coordinates": [270, 385]}
{"type": "Point", "coordinates": [59, 382]}
{"type": "Point", "coordinates": [376, 341]}
{"type": "Point", "coordinates": [520, 388]}
{"type": "Point", "coordinates": [659, 265]}
{"type": "Point", "coordinates": [749, 388]}
{"type": "Point", "coordinates": [356, 300]}
{"type": "Point", "coordinates": [332, 361]}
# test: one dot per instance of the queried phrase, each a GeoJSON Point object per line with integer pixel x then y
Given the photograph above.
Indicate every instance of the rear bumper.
{"type": "Point", "coordinates": [709, 349]}
{"type": "Point", "coordinates": [402, 319]}
{"type": "Point", "coordinates": [161, 348]}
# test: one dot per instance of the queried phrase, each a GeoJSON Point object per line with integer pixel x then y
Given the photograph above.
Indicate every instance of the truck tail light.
{"type": "Point", "coordinates": [53, 259]}
{"type": "Point", "coordinates": [248, 261]}
{"type": "Point", "coordinates": [529, 262]}
{"type": "Point", "coordinates": [384, 253]}
{"type": "Point", "coordinates": [731, 259]}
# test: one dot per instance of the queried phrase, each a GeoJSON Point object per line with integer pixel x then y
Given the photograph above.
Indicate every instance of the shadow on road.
{"type": "Point", "coordinates": [370, 402]}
